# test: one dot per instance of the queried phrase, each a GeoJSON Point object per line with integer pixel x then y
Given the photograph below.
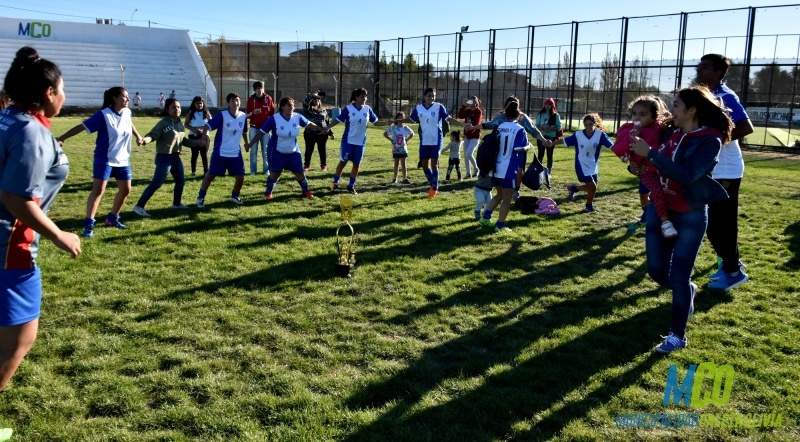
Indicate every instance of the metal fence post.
{"type": "Point", "coordinates": [748, 56]}
{"type": "Point", "coordinates": [622, 64]}
{"type": "Point", "coordinates": [573, 70]}
{"type": "Point", "coordinates": [490, 74]}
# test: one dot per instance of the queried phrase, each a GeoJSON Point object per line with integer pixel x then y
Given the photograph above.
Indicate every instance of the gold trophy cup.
{"type": "Point", "coordinates": [345, 243]}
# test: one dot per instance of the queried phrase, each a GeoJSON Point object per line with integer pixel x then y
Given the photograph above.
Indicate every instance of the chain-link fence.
{"type": "Point", "coordinates": [595, 66]}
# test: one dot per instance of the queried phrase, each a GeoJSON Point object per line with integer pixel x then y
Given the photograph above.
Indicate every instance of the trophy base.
{"type": "Point", "coordinates": [343, 270]}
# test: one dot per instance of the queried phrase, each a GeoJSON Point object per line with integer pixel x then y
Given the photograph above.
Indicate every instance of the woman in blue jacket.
{"type": "Point", "coordinates": [684, 161]}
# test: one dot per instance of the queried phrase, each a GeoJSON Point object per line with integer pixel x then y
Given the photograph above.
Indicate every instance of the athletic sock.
{"type": "Point", "coordinates": [234, 194]}
{"type": "Point", "coordinates": [352, 182]}
{"type": "Point", "coordinates": [487, 214]}
{"type": "Point", "coordinates": [336, 179]}
{"type": "Point", "coordinates": [202, 193]}
{"type": "Point", "coordinates": [429, 176]}
{"type": "Point", "coordinates": [435, 178]}
{"type": "Point", "coordinates": [270, 185]}
{"type": "Point", "coordinates": [303, 184]}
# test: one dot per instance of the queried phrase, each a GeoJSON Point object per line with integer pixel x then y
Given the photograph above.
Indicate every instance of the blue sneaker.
{"type": "Point", "coordinates": [572, 189]}
{"type": "Point", "coordinates": [118, 224]}
{"type": "Point", "coordinates": [693, 291]}
{"type": "Point", "coordinates": [729, 281]}
{"type": "Point", "coordinates": [589, 208]}
{"type": "Point", "coordinates": [672, 343]}
{"type": "Point", "coordinates": [721, 273]}
{"type": "Point", "coordinates": [88, 232]}
{"type": "Point", "coordinates": [486, 222]}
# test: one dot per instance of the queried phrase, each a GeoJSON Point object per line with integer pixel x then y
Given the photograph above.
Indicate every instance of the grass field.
{"type": "Point", "coordinates": [227, 324]}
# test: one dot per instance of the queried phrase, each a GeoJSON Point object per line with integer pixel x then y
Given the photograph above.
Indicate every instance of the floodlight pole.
{"type": "Point", "coordinates": [336, 90]}
{"type": "Point", "coordinates": [274, 86]}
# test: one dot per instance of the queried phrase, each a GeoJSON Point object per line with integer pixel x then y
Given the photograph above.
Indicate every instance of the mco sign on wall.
{"type": "Point", "coordinates": [35, 29]}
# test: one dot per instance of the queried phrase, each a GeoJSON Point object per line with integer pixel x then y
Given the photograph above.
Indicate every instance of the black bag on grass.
{"type": "Point", "coordinates": [526, 203]}
{"type": "Point", "coordinates": [536, 175]}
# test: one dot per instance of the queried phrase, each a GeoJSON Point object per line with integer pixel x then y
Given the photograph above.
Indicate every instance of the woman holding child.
{"type": "Point", "coordinates": [684, 161]}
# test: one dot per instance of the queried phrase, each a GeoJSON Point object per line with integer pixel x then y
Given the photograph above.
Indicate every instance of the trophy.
{"type": "Point", "coordinates": [345, 243]}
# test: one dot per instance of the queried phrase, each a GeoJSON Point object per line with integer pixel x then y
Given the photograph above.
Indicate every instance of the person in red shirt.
{"type": "Point", "coordinates": [259, 108]}
{"type": "Point", "coordinates": [472, 114]}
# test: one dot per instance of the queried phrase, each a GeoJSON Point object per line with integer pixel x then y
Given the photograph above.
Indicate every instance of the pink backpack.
{"type": "Point", "coordinates": [547, 207]}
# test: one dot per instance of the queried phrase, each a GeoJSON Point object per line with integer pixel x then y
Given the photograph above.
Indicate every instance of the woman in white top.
{"type": "Point", "coordinates": [196, 121]}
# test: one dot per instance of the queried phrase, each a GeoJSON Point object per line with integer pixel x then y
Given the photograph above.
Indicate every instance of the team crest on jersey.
{"type": "Point", "coordinates": [433, 114]}
{"type": "Point", "coordinates": [241, 123]}
{"type": "Point", "coordinates": [227, 124]}
{"type": "Point", "coordinates": [281, 127]}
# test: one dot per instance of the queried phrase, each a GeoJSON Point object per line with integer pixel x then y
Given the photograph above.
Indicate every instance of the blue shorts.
{"type": "Point", "coordinates": [586, 178]}
{"type": "Point", "coordinates": [293, 162]}
{"type": "Point", "coordinates": [351, 152]}
{"type": "Point", "coordinates": [20, 296]}
{"type": "Point", "coordinates": [102, 171]}
{"type": "Point", "coordinates": [505, 183]}
{"type": "Point", "coordinates": [428, 152]}
{"type": "Point", "coordinates": [220, 165]}
{"type": "Point", "coordinates": [643, 190]}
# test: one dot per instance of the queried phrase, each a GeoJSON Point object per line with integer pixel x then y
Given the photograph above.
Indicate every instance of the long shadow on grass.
{"type": "Point", "coordinates": [793, 232]}
{"type": "Point", "coordinates": [512, 388]}
{"type": "Point", "coordinates": [538, 280]}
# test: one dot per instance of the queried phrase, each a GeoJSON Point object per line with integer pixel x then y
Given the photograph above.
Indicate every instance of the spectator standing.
{"type": "Point", "coordinates": [260, 107]}
{"type": "Point", "coordinates": [472, 114]}
{"type": "Point", "coordinates": [196, 121]}
{"type": "Point", "coordinates": [319, 116]}
{"type": "Point", "coordinates": [723, 216]}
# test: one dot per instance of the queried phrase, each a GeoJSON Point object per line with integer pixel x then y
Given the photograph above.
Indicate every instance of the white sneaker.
{"type": "Point", "coordinates": [179, 206]}
{"type": "Point", "coordinates": [516, 196]}
{"type": "Point", "coordinates": [668, 230]}
{"type": "Point", "coordinates": [140, 211]}
{"type": "Point", "coordinates": [236, 201]}
{"type": "Point", "coordinates": [200, 203]}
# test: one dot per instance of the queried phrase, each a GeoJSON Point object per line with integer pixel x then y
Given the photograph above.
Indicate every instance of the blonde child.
{"type": "Point", "coordinates": [587, 144]}
{"type": "Point", "coordinates": [455, 155]}
{"type": "Point", "coordinates": [399, 134]}
{"type": "Point", "coordinates": [647, 115]}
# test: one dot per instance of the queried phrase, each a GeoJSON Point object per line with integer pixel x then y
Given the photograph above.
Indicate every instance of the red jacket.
{"type": "Point", "coordinates": [473, 117]}
{"type": "Point", "coordinates": [264, 103]}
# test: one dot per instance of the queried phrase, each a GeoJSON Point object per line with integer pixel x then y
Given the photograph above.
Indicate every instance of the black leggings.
{"type": "Point", "coordinates": [723, 226]}
{"type": "Point", "coordinates": [320, 140]}
{"type": "Point", "coordinates": [549, 151]}
{"type": "Point", "coordinates": [203, 153]}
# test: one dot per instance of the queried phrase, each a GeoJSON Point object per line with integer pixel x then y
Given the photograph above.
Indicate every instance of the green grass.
{"type": "Point", "coordinates": [227, 324]}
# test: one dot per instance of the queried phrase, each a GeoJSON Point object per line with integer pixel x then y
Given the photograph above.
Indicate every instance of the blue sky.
{"type": "Point", "coordinates": [359, 20]}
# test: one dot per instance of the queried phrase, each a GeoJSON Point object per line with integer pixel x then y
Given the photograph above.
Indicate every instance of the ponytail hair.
{"type": "Point", "coordinates": [512, 111]}
{"type": "Point", "coordinates": [29, 77]}
{"type": "Point", "coordinates": [357, 93]}
{"type": "Point", "coordinates": [110, 94]}
{"type": "Point", "coordinates": [709, 113]}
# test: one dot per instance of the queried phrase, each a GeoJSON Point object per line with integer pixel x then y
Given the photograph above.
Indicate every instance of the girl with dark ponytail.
{"type": "Point", "coordinates": [31, 174]}
{"type": "Point", "coordinates": [112, 153]}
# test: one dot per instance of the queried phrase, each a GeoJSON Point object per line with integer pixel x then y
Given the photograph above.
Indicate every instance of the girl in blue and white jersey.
{"type": "Point", "coordinates": [430, 115]}
{"type": "Point", "coordinates": [587, 144]}
{"type": "Point", "coordinates": [284, 153]}
{"type": "Point", "coordinates": [513, 142]}
{"type": "Point", "coordinates": [112, 154]}
{"type": "Point", "coordinates": [227, 154]}
{"type": "Point", "coordinates": [32, 170]}
{"type": "Point", "coordinates": [355, 117]}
